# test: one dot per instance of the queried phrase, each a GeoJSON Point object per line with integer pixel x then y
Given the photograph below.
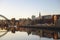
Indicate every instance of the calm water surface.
{"type": "Point", "coordinates": [22, 36]}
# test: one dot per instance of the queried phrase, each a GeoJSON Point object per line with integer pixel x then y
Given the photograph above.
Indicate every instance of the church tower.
{"type": "Point", "coordinates": [40, 17]}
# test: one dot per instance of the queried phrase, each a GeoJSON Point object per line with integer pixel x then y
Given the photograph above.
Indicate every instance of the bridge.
{"type": "Point", "coordinates": [3, 17]}
{"type": "Point", "coordinates": [3, 32]}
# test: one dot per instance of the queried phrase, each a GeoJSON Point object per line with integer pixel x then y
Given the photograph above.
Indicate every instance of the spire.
{"type": "Point", "coordinates": [40, 15]}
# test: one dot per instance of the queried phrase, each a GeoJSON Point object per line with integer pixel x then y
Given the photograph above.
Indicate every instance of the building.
{"type": "Point", "coordinates": [47, 19]}
{"type": "Point", "coordinates": [56, 19]}
{"type": "Point", "coordinates": [40, 17]}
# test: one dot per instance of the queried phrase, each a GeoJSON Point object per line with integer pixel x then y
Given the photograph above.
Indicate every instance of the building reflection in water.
{"type": "Point", "coordinates": [40, 32]}
{"type": "Point", "coordinates": [34, 31]}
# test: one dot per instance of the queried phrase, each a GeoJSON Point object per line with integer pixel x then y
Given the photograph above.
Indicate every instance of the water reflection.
{"type": "Point", "coordinates": [30, 34]}
{"type": "Point", "coordinates": [22, 36]}
{"type": "Point", "coordinates": [3, 32]}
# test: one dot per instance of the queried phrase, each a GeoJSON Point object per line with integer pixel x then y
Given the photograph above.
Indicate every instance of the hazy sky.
{"type": "Point", "coordinates": [27, 8]}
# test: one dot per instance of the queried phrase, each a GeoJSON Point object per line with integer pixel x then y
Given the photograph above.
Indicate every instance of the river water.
{"type": "Point", "coordinates": [22, 36]}
{"type": "Point", "coordinates": [26, 34]}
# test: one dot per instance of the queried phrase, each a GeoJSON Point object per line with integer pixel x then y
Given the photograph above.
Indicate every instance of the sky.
{"type": "Point", "coordinates": [26, 8]}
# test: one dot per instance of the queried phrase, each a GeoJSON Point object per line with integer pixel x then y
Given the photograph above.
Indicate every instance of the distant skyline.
{"type": "Point", "coordinates": [26, 8]}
